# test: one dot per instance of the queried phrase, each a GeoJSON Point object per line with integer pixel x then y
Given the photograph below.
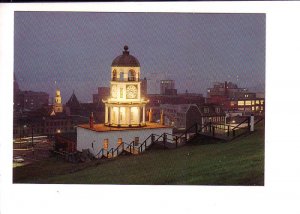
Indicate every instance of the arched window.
{"type": "Point", "coordinates": [121, 76]}
{"type": "Point", "coordinates": [114, 78]}
{"type": "Point", "coordinates": [131, 75]}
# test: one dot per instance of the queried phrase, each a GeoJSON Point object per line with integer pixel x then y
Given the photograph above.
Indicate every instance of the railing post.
{"type": "Point", "coordinates": [213, 131]}
{"type": "Point", "coordinates": [176, 141]}
{"type": "Point", "coordinates": [210, 127]}
{"type": "Point", "coordinates": [233, 132]}
{"type": "Point", "coordinates": [164, 140]}
{"type": "Point", "coordinates": [249, 123]}
{"type": "Point", "coordinates": [228, 129]}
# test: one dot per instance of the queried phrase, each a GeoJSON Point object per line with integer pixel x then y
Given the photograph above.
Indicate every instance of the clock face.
{"type": "Point", "coordinates": [114, 91]}
{"type": "Point", "coordinates": [131, 92]}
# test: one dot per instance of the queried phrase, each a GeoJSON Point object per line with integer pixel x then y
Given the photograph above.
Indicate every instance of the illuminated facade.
{"type": "Point", "coordinates": [57, 102]}
{"type": "Point", "coordinates": [125, 106]}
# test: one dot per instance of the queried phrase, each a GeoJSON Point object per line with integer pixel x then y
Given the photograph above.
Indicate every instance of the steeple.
{"type": "Point", "coordinates": [57, 107]}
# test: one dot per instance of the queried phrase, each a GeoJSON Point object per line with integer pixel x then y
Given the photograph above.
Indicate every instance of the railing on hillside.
{"type": "Point", "coordinates": [238, 130]}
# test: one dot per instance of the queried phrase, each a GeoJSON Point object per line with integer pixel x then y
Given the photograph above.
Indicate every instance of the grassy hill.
{"type": "Point", "coordinates": [239, 162]}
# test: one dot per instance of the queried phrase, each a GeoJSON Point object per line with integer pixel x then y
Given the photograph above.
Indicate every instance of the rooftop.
{"type": "Point", "coordinates": [103, 128]}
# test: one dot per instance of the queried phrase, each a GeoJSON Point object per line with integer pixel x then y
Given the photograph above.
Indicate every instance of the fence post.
{"type": "Point", "coordinates": [252, 123]}
{"type": "Point", "coordinates": [213, 131]}
{"type": "Point", "coordinates": [233, 132]}
{"type": "Point", "coordinates": [164, 139]}
{"type": "Point", "coordinates": [249, 123]}
{"type": "Point", "coordinates": [210, 127]}
{"type": "Point", "coordinates": [228, 129]}
{"type": "Point", "coordinates": [176, 141]}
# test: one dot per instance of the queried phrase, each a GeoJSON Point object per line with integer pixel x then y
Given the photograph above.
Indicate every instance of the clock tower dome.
{"type": "Point", "coordinates": [125, 107]}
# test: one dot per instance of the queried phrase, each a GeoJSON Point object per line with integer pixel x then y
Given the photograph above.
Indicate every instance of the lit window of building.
{"type": "Point", "coordinates": [206, 110]}
{"type": "Point", "coordinates": [241, 103]}
{"type": "Point", "coordinates": [248, 103]}
{"type": "Point", "coordinates": [105, 144]}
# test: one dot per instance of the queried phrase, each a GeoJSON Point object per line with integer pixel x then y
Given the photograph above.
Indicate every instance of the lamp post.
{"type": "Point", "coordinates": [32, 136]}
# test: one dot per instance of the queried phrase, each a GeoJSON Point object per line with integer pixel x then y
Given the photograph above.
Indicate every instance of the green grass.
{"type": "Point", "coordinates": [240, 162]}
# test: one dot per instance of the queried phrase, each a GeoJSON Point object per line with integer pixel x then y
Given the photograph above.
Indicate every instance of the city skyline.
{"type": "Point", "coordinates": [75, 50]}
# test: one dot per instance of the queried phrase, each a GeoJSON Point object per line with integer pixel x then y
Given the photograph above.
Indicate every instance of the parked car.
{"type": "Point", "coordinates": [18, 159]}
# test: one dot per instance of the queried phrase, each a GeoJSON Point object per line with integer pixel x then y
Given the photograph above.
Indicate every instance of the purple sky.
{"type": "Point", "coordinates": [76, 49]}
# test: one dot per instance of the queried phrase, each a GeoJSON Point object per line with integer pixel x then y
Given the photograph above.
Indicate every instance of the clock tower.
{"type": "Point", "coordinates": [125, 107]}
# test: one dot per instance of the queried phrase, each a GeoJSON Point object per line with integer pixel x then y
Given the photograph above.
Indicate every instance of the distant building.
{"type": "Point", "coordinates": [183, 116]}
{"type": "Point", "coordinates": [233, 98]}
{"type": "Point", "coordinates": [144, 90]}
{"type": "Point", "coordinates": [185, 98]}
{"type": "Point", "coordinates": [30, 100]}
{"type": "Point", "coordinates": [167, 87]}
{"type": "Point", "coordinates": [103, 93]}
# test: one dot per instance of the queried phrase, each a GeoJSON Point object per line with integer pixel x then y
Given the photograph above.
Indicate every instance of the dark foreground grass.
{"type": "Point", "coordinates": [240, 162]}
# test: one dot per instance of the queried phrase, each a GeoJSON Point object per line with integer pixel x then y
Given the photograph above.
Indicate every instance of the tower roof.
{"type": "Point", "coordinates": [125, 60]}
{"type": "Point", "coordinates": [73, 101]}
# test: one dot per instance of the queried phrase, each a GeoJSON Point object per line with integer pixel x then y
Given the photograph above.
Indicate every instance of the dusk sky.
{"type": "Point", "coordinates": [76, 50]}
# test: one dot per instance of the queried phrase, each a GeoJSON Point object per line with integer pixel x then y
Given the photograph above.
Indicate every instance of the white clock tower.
{"type": "Point", "coordinates": [125, 107]}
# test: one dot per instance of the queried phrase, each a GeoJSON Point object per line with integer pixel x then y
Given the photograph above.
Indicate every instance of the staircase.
{"type": "Point", "coordinates": [171, 141]}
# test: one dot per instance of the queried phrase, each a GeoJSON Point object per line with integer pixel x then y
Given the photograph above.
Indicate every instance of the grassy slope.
{"type": "Point", "coordinates": [240, 162]}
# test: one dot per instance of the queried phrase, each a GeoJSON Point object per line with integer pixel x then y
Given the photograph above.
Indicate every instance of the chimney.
{"type": "Point", "coordinates": [92, 120]}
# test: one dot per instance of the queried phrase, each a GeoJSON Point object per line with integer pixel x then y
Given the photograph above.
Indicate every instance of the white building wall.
{"type": "Point", "coordinates": [86, 137]}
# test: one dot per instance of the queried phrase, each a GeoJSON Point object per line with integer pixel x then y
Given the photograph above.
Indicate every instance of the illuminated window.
{"type": "Point", "coordinates": [206, 110]}
{"type": "Point", "coordinates": [253, 102]}
{"type": "Point", "coordinates": [136, 141]}
{"type": "Point", "coordinates": [253, 108]}
{"type": "Point", "coordinates": [248, 103]}
{"type": "Point", "coordinates": [114, 75]}
{"type": "Point", "coordinates": [261, 102]}
{"type": "Point", "coordinates": [257, 101]}
{"type": "Point", "coordinates": [241, 103]}
{"type": "Point", "coordinates": [105, 144]}
{"type": "Point", "coordinates": [122, 76]}
{"type": "Point", "coordinates": [120, 141]}
{"type": "Point", "coordinates": [121, 92]}
{"type": "Point", "coordinates": [131, 75]}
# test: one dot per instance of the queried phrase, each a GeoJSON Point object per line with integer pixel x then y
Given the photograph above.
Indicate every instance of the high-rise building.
{"type": "Point", "coordinates": [144, 90]}
{"type": "Point", "coordinates": [103, 93]}
{"type": "Point", "coordinates": [167, 87]}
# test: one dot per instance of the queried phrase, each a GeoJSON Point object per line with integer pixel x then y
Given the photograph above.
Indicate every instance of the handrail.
{"type": "Point", "coordinates": [101, 150]}
{"type": "Point", "coordinates": [247, 119]}
{"type": "Point", "coordinates": [259, 120]}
